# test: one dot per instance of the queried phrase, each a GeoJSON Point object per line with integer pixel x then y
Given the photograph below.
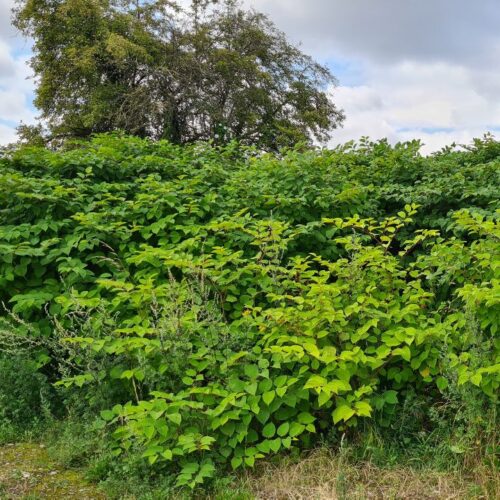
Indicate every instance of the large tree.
{"type": "Point", "coordinates": [152, 69]}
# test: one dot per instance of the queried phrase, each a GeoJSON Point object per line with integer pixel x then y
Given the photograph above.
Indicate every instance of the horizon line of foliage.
{"type": "Point", "coordinates": [217, 305]}
{"type": "Point", "coordinates": [157, 69]}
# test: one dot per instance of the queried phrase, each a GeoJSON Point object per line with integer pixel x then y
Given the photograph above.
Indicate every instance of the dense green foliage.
{"type": "Point", "coordinates": [153, 69]}
{"type": "Point", "coordinates": [213, 306]}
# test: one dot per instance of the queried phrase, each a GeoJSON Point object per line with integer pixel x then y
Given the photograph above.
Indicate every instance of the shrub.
{"type": "Point", "coordinates": [325, 342]}
{"type": "Point", "coordinates": [217, 306]}
{"type": "Point", "coordinates": [25, 394]}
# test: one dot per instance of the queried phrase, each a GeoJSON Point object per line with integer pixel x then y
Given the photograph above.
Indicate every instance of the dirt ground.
{"type": "Point", "coordinates": [27, 473]}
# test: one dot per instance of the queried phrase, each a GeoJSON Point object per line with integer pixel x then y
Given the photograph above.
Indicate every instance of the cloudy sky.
{"type": "Point", "coordinates": [426, 69]}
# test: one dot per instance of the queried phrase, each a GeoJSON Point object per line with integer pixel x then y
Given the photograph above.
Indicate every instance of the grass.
{"type": "Point", "coordinates": [323, 475]}
{"type": "Point", "coordinates": [27, 472]}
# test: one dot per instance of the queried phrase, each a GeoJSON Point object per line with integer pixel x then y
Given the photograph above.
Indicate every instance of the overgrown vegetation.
{"type": "Point", "coordinates": [194, 310]}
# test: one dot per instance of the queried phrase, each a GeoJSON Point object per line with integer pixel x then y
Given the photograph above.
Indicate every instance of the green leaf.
{"type": "Point", "coordinates": [315, 381]}
{"type": "Point", "coordinates": [283, 429]}
{"type": "Point", "coordinates": [305, 418]}
{"type": "Point", "coordinates": [228, 429]}
{"type": "Point", "coordinates": [342, 412]}
{"type": "Point", "coordinates": [251, 371]}
{"type": "Point", "coordinates": [190, 468]}
{"type": "Point", "coordinates": [175, 418]}
{"type": "Point", "coordinates": [251, 388]}
{"type": "Point", "coordinates": [127, 374]}
{"type": "Point", "coordinates": [476, 379]}
{"type": "Point", "coordinates": [263, 416]}
{"type": "Point", "coordinates": [268, 397]}
{"type": "Point", "coordinates": [275, 444]}
{"type": "Point", "coordinates": [391, 397]}
{"type": "Point", "coordinates": [152, 451]}
{"type": "Point", "coordinates": [269, 430]}
{"type": "Point", "coordinates": [265, 385]}
{"type": "Point", "coordinates": [337, 386]}
{"type": "Point", "coordinates": [296, 429]}
{"type": "Point", "coordinates": [323, 398]}
{"type": "Point", "coordinates": [281, 391]}
{"type": "Point", "coordinates": [363, 409]}
{"type": "Point", "coordinates": [107, 415]}
{"type": "Point", "coordinates": [404, 352]}
{"type": "Point", "coordinates": [263, 446]}
{"type": "Point", "coordinates": [442, 383]}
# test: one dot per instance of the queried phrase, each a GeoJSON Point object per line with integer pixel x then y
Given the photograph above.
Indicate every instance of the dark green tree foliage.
{"type": "Point", "coordinates": [154, 70]}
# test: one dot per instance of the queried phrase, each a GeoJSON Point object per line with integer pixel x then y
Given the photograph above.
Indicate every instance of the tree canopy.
{"type": "Point", "coordinates": [154, 69]}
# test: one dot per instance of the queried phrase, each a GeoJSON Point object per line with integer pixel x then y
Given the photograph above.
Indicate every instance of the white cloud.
{"type": "Point", "coordinates": [14, 107]}
{"type": "Point", "coordinates": [408, 69]}
{"type": "Point", "coordinates": [436, 102]}
{"type": "Point", "coordinates": [7, 31]}
{"type": "Point", "coordinates": [429, 68]}
{"type": "Point", "coordinates": [6, 62]}
{"type": "Point", "coordinates": [7, 135]}
{"type": "Point", "coordinates": [15, 87]}
{"type": "Point", "coordinates": [392, 30]}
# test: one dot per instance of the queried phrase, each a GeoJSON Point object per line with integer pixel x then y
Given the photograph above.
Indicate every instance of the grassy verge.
{"type": "Point", "coordinates": [324, 475]}
{"type": "Point", "coordinates": [27, 471]}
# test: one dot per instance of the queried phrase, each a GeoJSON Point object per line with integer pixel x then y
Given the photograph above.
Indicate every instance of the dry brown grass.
{"type": "Point", "coordinates": [324, 476]}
